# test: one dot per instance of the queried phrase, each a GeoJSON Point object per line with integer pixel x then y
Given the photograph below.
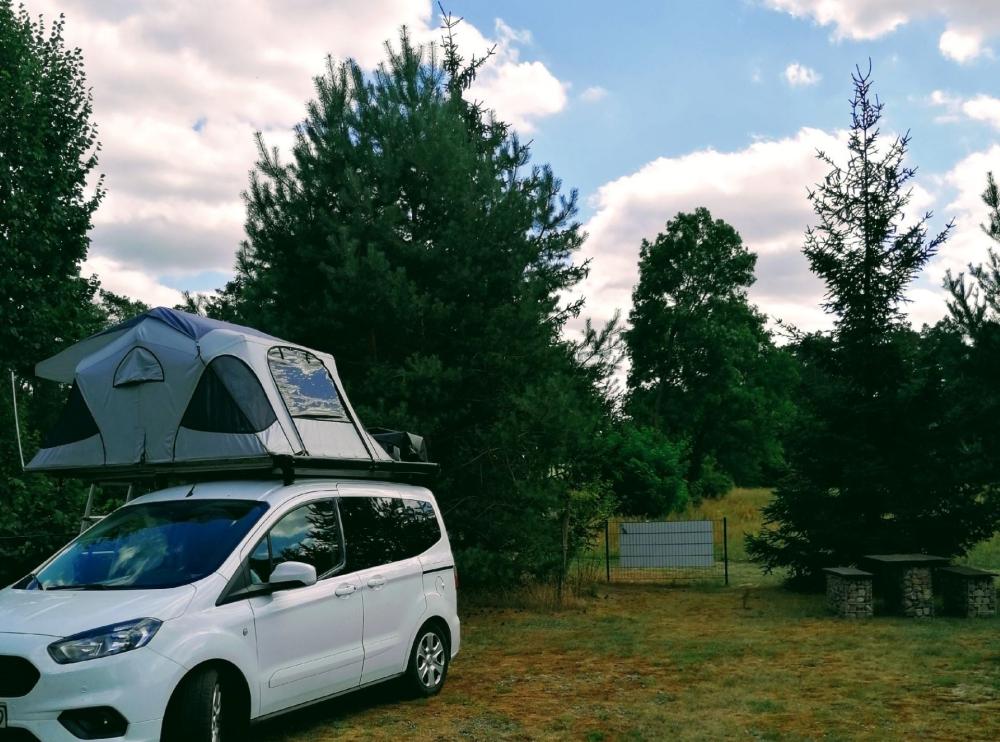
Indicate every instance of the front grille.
{"type": "Point", "coordinates": [17, 677]}
{"type": "Point", "coordinates": [17, 735]}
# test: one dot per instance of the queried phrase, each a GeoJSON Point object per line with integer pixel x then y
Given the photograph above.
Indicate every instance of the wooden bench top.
{"type": "Point", "coordinates": [967, 571]}
{"type": "Point", "coordinates": [846, 572]}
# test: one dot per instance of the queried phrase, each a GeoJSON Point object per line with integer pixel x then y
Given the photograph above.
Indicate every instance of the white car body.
{"type": "Point", "coordinates": [292, 648]}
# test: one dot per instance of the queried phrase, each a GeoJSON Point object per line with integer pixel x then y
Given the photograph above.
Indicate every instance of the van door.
{"type": "Point", "coordinates": [382, 556]}
{"type": "Point", "coordinates": [309, 639]}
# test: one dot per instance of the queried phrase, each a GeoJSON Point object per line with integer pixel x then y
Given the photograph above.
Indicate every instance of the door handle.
{"type": "Point", "coordinates": [376, 582]}
{"type": "Point", "coordinates": [343, 591]}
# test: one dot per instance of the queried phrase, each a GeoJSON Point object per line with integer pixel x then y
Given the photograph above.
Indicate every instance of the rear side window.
{"type": "Point", "coordinates": [309, 534]}
{"type": "Point", "coordinates": [381, 530]}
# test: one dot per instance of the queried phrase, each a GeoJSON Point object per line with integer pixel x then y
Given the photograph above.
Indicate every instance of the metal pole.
{"type": "Point", "coordinates": [725, 547]}
{"type": "Point", "coordinates": [607, 549]}
{"type": "Point", "coordinates": [17, 422]}
{"type": "Point", "coordinates": [85, 523]}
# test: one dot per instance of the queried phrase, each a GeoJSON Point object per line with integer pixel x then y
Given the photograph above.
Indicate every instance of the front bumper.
{"type": "Point", "coordinates": [137, 684]}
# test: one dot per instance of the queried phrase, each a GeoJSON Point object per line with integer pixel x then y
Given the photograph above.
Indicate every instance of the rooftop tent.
{"type": "Point", "coordinates": [171, 388]}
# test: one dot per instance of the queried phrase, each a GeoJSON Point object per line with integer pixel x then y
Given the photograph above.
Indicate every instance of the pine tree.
{"type": "Point", "coordinates": [411, 236]}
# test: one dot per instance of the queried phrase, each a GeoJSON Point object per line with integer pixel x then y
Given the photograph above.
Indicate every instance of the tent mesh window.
{"type": "Point", "coordinates": [228, 399]}
{"type": "Point", "coordinates": [76, 423]}
{"type": "Point", "coordinates": [138, 367]}
{"type": "Point", "coordinates": [305, 385]}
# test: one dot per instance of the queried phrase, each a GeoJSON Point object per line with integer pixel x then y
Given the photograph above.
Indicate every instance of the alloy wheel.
{"type": "Point", "coordinates": [430, 660]}
{"type": "Point", "coordinates": [217, 713]}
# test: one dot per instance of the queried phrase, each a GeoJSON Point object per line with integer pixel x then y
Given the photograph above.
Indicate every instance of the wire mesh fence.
{"type": "Point", "coordinates": [661, 551]}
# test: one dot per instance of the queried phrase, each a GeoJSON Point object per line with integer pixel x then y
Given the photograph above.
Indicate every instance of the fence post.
{"type": "Point", "coordinates": [607, 549]}
{"type": "Point", "coordinates": [725, 547]}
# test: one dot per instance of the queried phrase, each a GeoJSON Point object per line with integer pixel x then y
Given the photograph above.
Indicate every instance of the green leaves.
{"type": "Point", "coordinates": [703, 368]}
{"type": "Point", "coordinates": [48, 153]}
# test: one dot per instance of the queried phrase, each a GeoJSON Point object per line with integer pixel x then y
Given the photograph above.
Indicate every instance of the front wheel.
{"type": "Point", "coordinates": [200, 710]}
{"type": "Point", "coordinates": [429, 659]}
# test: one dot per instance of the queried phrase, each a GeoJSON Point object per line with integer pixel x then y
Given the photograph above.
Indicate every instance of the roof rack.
{"type": "Point", "coordinates": [287, 468]}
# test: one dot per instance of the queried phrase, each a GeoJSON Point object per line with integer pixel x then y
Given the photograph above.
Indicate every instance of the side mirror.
{"type": "Point", "coordinates": [292, 574]}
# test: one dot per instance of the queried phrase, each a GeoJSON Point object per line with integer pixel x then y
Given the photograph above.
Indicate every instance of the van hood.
{"type": "Point", "coordinates": [62, 613]}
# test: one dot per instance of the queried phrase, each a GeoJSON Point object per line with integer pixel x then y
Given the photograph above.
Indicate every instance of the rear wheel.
{"type": "Point", "coordinates": [429, 659]}
{"type": "Point", "coordinates": [201, 710]}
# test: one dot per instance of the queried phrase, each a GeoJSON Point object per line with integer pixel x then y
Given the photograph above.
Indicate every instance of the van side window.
{"type": "Point", "coordinates": [422, 529]}
{"type": "Point", "coordinates": [380, 530]}
{"type": "Point", "coordinates": [310, 534]}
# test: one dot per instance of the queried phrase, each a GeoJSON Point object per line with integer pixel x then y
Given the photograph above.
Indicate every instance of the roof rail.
{"type": "Point", "coordinates": [287, 468]}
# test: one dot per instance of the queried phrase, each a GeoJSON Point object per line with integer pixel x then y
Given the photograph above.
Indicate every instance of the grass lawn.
{"type": "Point", "coordinates": [751, 661]}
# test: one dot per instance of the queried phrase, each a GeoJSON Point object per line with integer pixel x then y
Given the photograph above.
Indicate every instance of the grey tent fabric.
{"type": "Point", "coordinates": [170, 387]}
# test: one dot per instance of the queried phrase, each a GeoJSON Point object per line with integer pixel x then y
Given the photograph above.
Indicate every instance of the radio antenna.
{"type": "Point", "coordinates": [17, 422]}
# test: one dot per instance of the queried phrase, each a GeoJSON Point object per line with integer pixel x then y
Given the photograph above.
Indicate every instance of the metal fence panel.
{"type": "Point", "coordinates": [665, 551]}
{"type": "Point", "coordinates": [667, 544]}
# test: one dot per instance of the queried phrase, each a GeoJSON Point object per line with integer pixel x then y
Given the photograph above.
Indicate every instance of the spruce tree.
{"type": "Point", "coordinates": [872, 468]}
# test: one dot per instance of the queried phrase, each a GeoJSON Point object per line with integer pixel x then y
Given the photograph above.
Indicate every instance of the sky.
{"type": "Point", "coordinates": [646, 107]}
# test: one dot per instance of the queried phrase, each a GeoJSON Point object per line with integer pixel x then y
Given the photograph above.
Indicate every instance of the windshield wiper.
{"type": "Point", "coordinates": [86, 586]}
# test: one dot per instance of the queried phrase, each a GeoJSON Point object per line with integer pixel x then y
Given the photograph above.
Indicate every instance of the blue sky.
{"type": "Point", "coordinates": [687, 76]}
{"type": "Point", "coordinates": [647, 108]}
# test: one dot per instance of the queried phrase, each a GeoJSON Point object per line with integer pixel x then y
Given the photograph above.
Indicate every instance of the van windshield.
{"type": "Point", "coordinates": [151, 545]}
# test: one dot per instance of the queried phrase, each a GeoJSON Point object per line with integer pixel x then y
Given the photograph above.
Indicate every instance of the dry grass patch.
{"type": "Point", "coordinates": [651, 663]}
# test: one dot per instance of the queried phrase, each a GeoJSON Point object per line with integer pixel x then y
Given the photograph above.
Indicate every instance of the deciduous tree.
{"type": "Point", "coordinates": [704, 370]}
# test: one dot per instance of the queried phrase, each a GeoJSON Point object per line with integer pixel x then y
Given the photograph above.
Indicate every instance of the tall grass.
{"type": "Point", "coordinates": [741, 509]}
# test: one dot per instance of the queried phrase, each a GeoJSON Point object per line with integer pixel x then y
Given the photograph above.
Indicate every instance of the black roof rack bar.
{"type": "Point", "coordinates": [287, 468]}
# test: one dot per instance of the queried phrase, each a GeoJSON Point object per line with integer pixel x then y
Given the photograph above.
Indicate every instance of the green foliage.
{"type": "Point", "coordinates": [48, 150]}
{"type": "Point", "coordinates": [644, 469]}
{"type": "Point", "coordinates": [411, 236]}
{"type": "Point", "coordinates": [115, 308]}
{"type": "Point", "coordinates": [882, 457]}
{"type": "Point", "coordinates": [704, 369]}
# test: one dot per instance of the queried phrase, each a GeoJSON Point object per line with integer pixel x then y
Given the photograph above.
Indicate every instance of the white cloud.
{"type": "Point", "coordinates": [519, 92]}
{"type": "Point", "coordinates": [761, 190]}
{"type": "Point", "coordinates": [120, 280]}
{"type": "Point", "coordinates": [798, 75]}
{"type": "Point", "coordinates": [962, 45]}
{"type": "Point", "coordinates": [968, 23]}
{"type": "Point", "coordinates": [180, 88]}
{"type": "Point", "coordinates": [968, 244]}
{"type": "Point", "coordinates": [593, 94]}
{"type": "Point", "coordinates": [984, 108]}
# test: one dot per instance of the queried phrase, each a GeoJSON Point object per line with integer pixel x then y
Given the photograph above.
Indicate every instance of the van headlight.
{"type": "Point", "coordinates": [105, 641]}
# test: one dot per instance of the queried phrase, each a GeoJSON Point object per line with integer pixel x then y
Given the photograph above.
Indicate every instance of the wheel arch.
{"type": "Point", "coordinates": [438, 621]}
{"type": "Point", "coordinates": [232, 676]}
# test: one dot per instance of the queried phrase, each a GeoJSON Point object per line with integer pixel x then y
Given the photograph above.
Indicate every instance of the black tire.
{"type": "Point", "coordinates": [430, 657]}
{"type": "Point", "coordinates": [200, 702]}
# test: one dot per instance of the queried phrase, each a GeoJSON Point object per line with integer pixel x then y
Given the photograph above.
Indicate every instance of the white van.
{"type": "Point", "coordinates": [193, 610]}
